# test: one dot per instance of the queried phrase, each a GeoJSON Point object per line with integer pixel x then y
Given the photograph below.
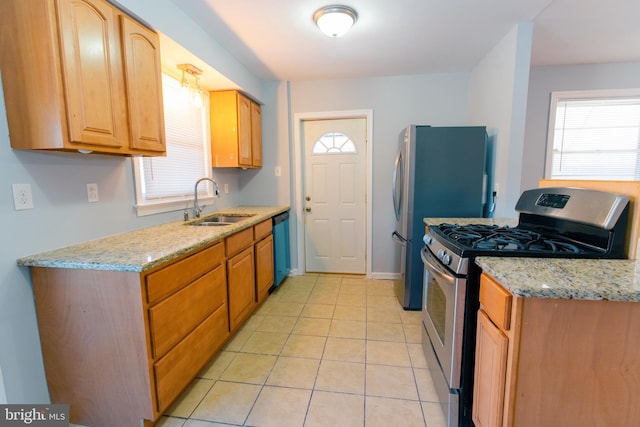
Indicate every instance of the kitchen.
{"type": "Point", "coordinates": [62, 216]}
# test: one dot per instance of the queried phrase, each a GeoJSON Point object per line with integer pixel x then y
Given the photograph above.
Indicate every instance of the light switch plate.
{"type": "Point", "coordinates": [22, 197]}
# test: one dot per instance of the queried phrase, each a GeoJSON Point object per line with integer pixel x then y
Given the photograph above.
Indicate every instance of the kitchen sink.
{"type": "Point", "coordinates": [211, 224]}
{"type": "Point", "coordinates": [226, 218]}
{"type": "Point", "coordinates": [221, 220]}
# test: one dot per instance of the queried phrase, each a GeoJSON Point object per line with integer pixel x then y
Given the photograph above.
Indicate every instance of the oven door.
{"type": "Point", "coordinates": [443, 315]}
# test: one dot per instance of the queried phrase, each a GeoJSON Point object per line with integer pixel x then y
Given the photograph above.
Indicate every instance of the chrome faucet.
{"type": "Point", "coordinates": [197, 209]}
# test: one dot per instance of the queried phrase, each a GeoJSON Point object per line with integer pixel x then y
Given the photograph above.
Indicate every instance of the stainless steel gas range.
{"type": "Point", "coordinates": [552, 222]}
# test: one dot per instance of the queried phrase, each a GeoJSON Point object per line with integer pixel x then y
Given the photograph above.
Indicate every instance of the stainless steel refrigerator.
{"type": "Point", "coordinates": [440, 172]}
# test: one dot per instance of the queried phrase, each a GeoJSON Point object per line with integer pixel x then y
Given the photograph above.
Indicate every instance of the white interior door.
{"type": "Point", "coordinates": [335, 195]}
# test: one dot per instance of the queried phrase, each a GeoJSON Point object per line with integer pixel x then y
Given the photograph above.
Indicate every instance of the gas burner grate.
{"type": "Point", "coordinates": [502, 238]}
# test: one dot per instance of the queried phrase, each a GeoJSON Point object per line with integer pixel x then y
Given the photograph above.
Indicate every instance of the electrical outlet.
{"type": "Point", "coordinates": [22, 197]}
{"type": "Point", "coordinates": [92, 193]}
{"type": "Point", "coordinates": [226, 189]}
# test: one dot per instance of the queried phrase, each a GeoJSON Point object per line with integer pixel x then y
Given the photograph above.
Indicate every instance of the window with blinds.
{"type": "Point", "coordinates": [167, 183]}
{"type": "Point", "coordinates": [594, 135]}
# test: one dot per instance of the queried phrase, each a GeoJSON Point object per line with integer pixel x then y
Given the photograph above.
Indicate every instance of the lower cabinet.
{"type": "Point", "coordinates": [264, 267]}
{"type": "Point", "coordinates": [242, 293]}
{"type": "Point", "coordinates": [491, 359]}
{"type": "Point", "coordinates": [263, 236]}
{"type": "Point", "coordinates": [186, 330]}
{"type": "Point", "coordinates": [555, 362]}
{"type": "Point", "coordinates": [119, 347]}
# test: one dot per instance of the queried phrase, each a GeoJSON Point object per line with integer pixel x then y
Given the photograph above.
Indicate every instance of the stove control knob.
{"type": "Point", "coordinates": [446, 259]}
{"type": "Point", "coordinates": [427, 239]}
{"type": "Point", "coordinates": [440, 254]}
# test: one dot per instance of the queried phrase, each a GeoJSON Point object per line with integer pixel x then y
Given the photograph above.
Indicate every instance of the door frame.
{"type": "Point", "coordinates": [298, 186]}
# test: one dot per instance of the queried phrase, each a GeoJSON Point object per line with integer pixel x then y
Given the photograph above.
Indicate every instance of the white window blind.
{"type": "Point", "coordinates": [594, 136]}
{"type": "Point", "coordinates": [167, 183]}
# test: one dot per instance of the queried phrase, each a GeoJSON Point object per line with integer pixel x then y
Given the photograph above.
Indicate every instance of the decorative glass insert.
{"type": "Point", "coordinates": [334, 143]}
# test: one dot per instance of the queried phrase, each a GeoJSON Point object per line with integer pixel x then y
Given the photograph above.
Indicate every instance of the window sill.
{"type": "Point", "coordinates": [152, 208]}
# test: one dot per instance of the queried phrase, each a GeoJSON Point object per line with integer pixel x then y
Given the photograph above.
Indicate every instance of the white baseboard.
{"type": "Point", "coordinates": [374, 276]}
{"type": "Point", "coordinates": [385, 276]}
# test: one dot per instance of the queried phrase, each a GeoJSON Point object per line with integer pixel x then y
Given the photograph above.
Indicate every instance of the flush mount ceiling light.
{"type": "Point", "coordinates": [335, 20]}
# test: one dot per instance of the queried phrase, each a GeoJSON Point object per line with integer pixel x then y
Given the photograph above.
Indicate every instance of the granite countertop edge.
{"type": "Point", "coordinates": [146, 248]}
{"type": "Point", "coordinates": [559, 278]}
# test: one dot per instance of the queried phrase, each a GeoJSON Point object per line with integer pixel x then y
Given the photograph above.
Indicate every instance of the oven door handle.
{"type": "Point", "coordinates": [428, 258]}
{"type": "Point", "coordinates": [396, 237]}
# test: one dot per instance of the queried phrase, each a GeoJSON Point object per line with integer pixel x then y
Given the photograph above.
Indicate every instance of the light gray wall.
{"type": "Point", "coordinates": [545, 80]}
{"type": "Point", "coordinates": [165, 16]}
{"type": "Point", "coordinates": [62, 215]}
{"type": "Point", "coordinates": [262, 186]}
{"type": "Point", "coordinates": [498, 100]}
{"type": "Point", "coordinates": [436, 99]}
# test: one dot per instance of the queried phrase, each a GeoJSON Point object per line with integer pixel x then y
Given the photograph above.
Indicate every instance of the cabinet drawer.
{"type": "Point", "coordinates": [166, 281]}
{"type": "Point", "coordinates": [496, 302]}
{"type": "Point", "coordinates": [262, 229]}
{"type": "Point", "coordinates": [239, 241]}
{"type": "Point", "coordinates": [176, 316]}
{"type": "Point", "coordinates": [176, 370]}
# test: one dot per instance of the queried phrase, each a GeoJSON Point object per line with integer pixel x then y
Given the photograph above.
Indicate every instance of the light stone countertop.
{"type": "Point", "coordinates": [146, 248]}
{"type": "Point", "coordinates": [584, 279]}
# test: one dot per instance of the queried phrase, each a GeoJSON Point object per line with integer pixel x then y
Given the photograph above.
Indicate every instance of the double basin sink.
{"type": "Point", "coordinates": [220, 220]}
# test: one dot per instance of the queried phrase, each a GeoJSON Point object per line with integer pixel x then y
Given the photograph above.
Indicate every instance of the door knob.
{"type": "Point", "coordinates": [308, 209]}
{"type": "Point", "coordinates": [308, 198]}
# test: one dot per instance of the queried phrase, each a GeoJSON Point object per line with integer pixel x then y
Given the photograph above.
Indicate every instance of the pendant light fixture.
{"type": "Point", "coordinates": [335, 20]}
{"type": "Point", "coordinates": [195, 91]}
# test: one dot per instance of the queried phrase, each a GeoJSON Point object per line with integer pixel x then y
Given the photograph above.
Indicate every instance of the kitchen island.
{"type": "Point", "coordinates": [557, 342]}
{"type": "Point", "coordinates": [127, 321]}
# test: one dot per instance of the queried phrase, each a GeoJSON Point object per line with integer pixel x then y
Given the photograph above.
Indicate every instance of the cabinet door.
{"type": "Point", "coordinates": [92, 73]}
{"type": "Point", "coordinates": [264, 267]}
{"type": "Point", "coordinates": [244, 131]}
{"type": "Point", "coordinates": [490, 373]}
{"type": "Point", "coordinates": [241, 284]}
{"type": "Point", "coordinates": [144, 86]}
{"type": "Point", "coordinates": [256, 135]}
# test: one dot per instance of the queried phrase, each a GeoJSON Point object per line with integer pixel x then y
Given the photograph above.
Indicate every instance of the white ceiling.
{"type": "Point", "coordinates": [277, 39]}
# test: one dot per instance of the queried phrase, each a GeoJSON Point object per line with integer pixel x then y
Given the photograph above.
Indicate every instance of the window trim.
{"type": "Point", "coordinates": [577, 95]}
{"type": "Point", "coordinates": [176, 203]}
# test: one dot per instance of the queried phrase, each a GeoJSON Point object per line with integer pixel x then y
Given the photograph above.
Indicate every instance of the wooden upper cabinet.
{"type": "Point", "coordinates": [144, 85]}
{"type": "Point", "coordinates": [236, 130]}
{"type": "Point", "coordinates": [244, 131]}
{"type": "Point", "coordinates": [64, 78]}
{"type": "Point", "coordinates": [256, 135]}
{"type": "Point", "coordinates": [91, 69]}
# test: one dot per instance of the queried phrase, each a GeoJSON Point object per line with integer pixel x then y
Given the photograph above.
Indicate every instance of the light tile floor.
{"type": "Point", "coordinates": [323, 350]}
